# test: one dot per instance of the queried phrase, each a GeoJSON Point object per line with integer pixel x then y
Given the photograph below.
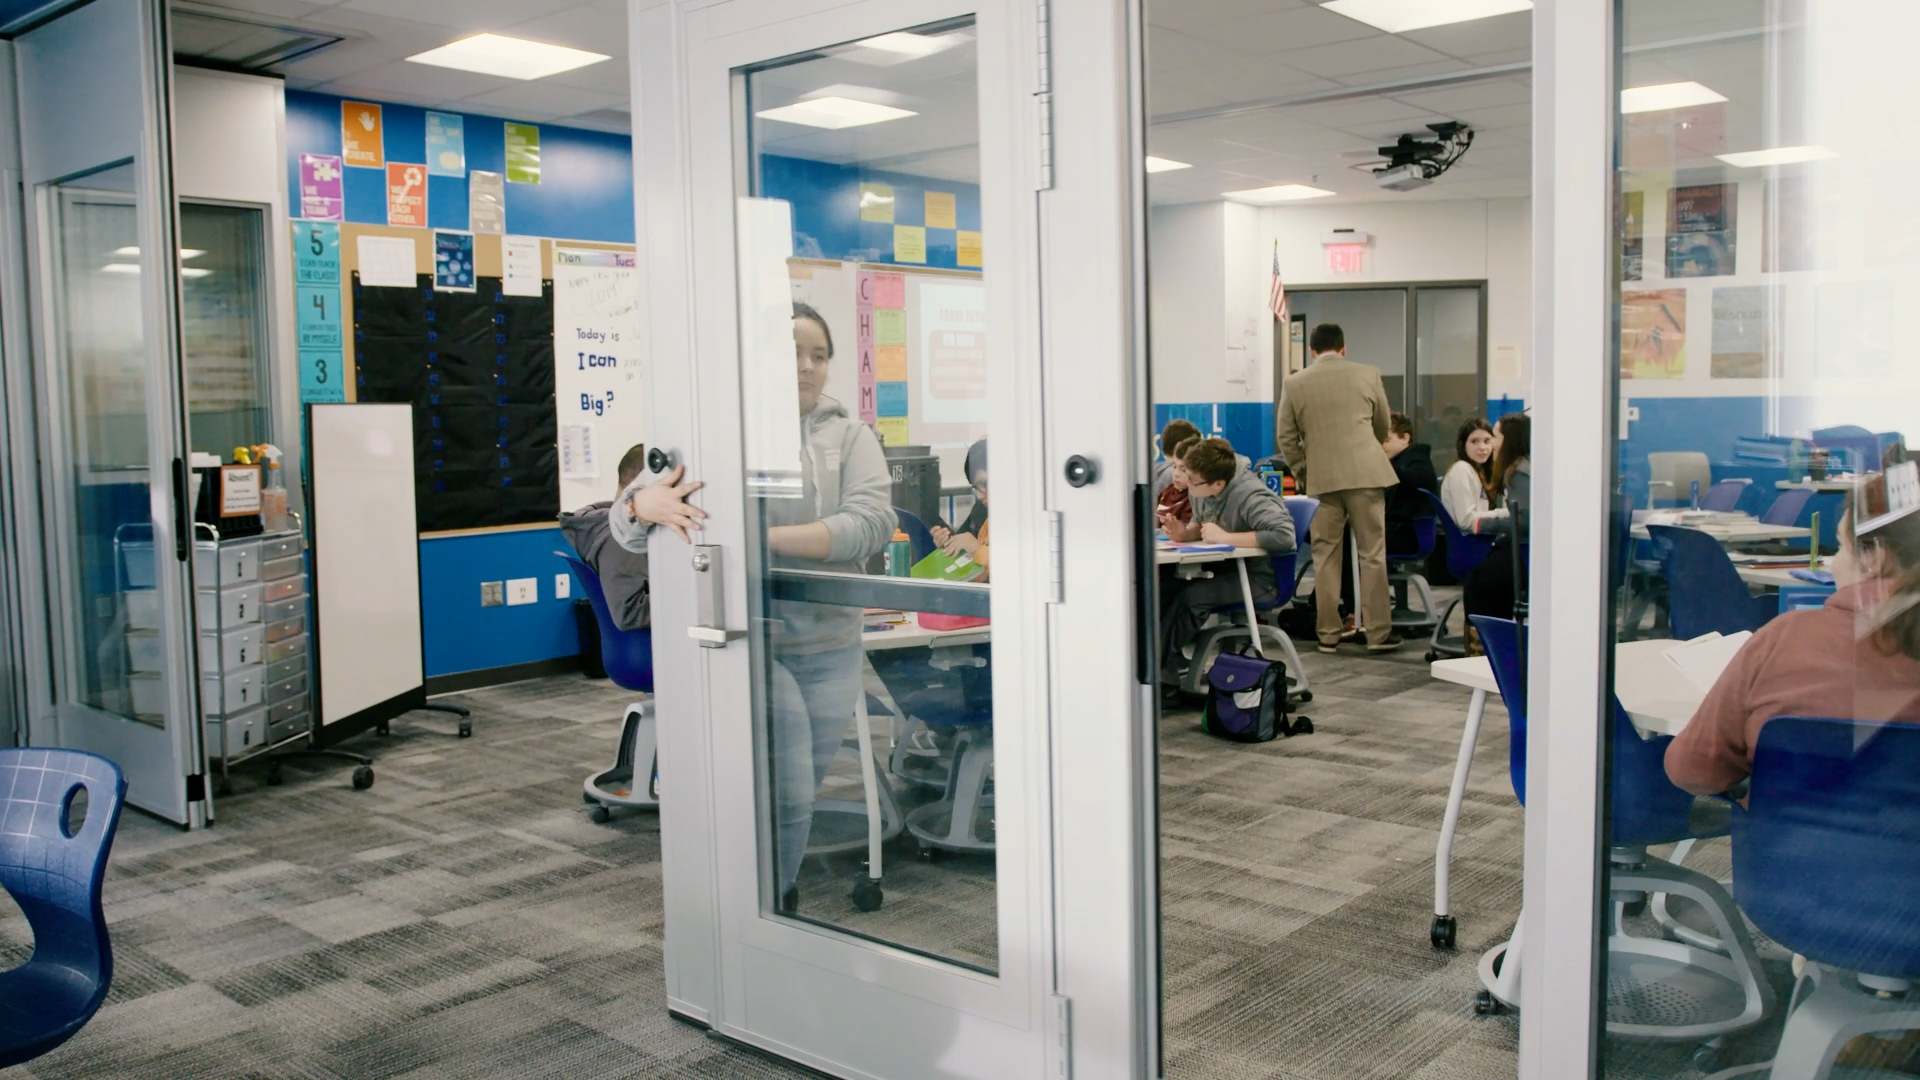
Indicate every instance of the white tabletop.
{"type": "Point", "coordinates": [1817, 485]}
{"type": "Point", "coordinates": [1163, 555]}
{"type": "Point", "coordinates": [909, 634]}
{"type": "Point", "coordinates": [1772, 577]}
{"type": "Point", "coordinates": [1739, 532]}
{"type": "Point", "coordinates": [1657, 696]}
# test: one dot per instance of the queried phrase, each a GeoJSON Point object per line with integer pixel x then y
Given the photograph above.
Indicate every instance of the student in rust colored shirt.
{"type": "Point", "coordinates": [1856, 658]}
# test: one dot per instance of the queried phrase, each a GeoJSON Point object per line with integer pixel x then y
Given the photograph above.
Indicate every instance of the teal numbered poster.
{"type": "Point", "coordinates": [317, 311]}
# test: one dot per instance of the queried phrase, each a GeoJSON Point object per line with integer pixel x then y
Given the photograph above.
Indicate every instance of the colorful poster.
{"type": "Point", "coordinates": [940, 210]}
{"type": "Point", "coordinates": [1742, 331]}
{"type": "Point", "coordinates": [446, 144]}
{"type": "Point", "coordinates": [523, 153]}
{"type": "Point", "coordinates": [953, 366]}
{"type": "Point", "coordinates": [321, 194]}
{"type": "Point", "coordinates": [910, 243]}
{"type": "Point", "coordinates": [890, 363]}
{"type": "Point", "coordinates": [453, 261]}
{"type": "Point", "coordinates": [362, 138]}
{"type": "Point", "coordinates": [889, 326]}
{"type": "Point", "coordinates": [889, 290]}
{"type": "Point", "coordinates": [890, 398]}
{"type": "Point", "coordinates": [1700, 225]}
{"type": "Point", "coordinates": [876, 203]}
{"type": "Point", "coordinates": [1653, 334]}
{"type": "Point", "coordinates": [486, 202]}
{"type": "Point", "coordinates": [596, 362]}
{"type": "Point", "coordinates": [1633, 232]}
{"type": "Point", "coordinates": [969, 254]}
{"type": "Point", "coordinates": [406, 195]}
{"type": "Point", "coordinates": [866, 288]}
{"type": "Point", "coordinates": [317, 314]}
{"type": "Point", "coordinates": [892, 430]}
{"type": "Point", "coordinates": [520, 266]}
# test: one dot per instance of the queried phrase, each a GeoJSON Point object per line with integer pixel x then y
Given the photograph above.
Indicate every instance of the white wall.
{"type": "Point", "coordinates": [1199, 316]}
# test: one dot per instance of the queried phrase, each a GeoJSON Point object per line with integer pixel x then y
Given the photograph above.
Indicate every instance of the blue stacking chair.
{"type": "Point", "coordinates": [1403, 576]}
{"type": "Point", "coordinates": [1286, 577]}
{"type": "Point", "coordinates": [1704, 591]}
{"type": "Point", "coordinates": [1787, 506]}
{"type": "Point", "coordinates": [919, 537]}
{"type": "Point", "coordinates": [1652, 978]}
{"type": "Point", "coordinates": [962, 818]}
{"type": "Point", "coordinates": [1724, 496]}
{"type": "Point", "coordinates": [1465, 553]}
{"type": "Point", "coordinates": [55, 876]}
{"type": "Point", "coordinates": [1825, 860]}
{"type": "Point", "coordinates": [628, 657]}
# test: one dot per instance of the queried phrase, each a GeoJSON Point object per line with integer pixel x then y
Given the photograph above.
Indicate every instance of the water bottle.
{"type": "Point", "coordinates": [899, 555]}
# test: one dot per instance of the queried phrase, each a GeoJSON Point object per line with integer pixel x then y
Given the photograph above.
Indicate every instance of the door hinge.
{"type": "Point", "coordinates": [1043, 91]}
{"type": "Point", "coordinates": [1059, 1037]}
{"type": "Point", "coordinates": [1056, 559]}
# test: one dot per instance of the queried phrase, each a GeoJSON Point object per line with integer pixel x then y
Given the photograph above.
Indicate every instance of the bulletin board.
{"type": "Point", "coordinates": [925, 338]}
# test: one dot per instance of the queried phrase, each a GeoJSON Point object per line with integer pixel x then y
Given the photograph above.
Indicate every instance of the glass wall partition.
{"type": "Point", "coordinates": [1762, 824]}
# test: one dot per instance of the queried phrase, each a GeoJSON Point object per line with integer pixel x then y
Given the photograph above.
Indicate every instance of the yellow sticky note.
{"type": "Point", "coordinates": [893, 430]}
{"type": "Point", "coordinates": [889, 328]}
{"type": "Point", "coordinates": [910, 243]}
{"type": "Point", "coordinates": [876, 202]}
{"type": "Point", "coordinates": [969, 254]}
{"type": "Point", "coordinates": [940, 210]}
{"type": "Point", "coordinates": [890, 362]}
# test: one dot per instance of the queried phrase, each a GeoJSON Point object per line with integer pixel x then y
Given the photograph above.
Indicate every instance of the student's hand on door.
{"type": "Point", "coordinates": [664, 502]}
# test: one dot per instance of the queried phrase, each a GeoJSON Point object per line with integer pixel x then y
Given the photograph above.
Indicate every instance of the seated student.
{"type": "Point", "coordinates": [1489, 589]}
{"type": "Point", "coordinates": [1413, 464]}
{"type": "Point", "coordinates": [1856, 658]}
{"type": "Point", "coordinates": [1172, 436]}
{"type": "Point", "coordinates": [1231, 506]}
{"type": "Point", "coordinates": [623, 573]}
{"type": "Point", "coordinates": [1174, 499]}
{"type": "Point", "coordinates": [1464, 489]}
{"type": "Point", "coordinates": [973, 531]}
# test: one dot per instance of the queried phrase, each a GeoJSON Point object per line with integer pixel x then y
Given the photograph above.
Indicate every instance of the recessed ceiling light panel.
{"type": "Point", "coordinates": [1278, 193]}
{"type": "Point", "coordinates": [1160, 164]}
{"type": "Point", "coordinates": [834, 112]}
{"type": "Point", "coordinates": [1400, 16]}
{"type": "Point", "coordinates": [1779, 155]}
{"type": "Point", "coordinates": [1662, 96]}
{"type": "Point", "coordinates": [510, 57]}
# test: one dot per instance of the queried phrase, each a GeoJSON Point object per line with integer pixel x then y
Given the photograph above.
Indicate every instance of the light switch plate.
{"type": "Point", "coordinates": [524, 590]}
{"type": "Point", "coordinates": [562, 586]}
{"type": "Point", "coordinates": [492, 594]}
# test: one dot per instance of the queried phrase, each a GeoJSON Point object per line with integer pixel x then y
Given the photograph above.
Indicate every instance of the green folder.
{"type": "Point", "coordinates": [941, 566]}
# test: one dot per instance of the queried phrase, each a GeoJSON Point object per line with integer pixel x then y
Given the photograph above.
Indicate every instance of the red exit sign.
{"type": "Point", "coordinates": [1346, 258]}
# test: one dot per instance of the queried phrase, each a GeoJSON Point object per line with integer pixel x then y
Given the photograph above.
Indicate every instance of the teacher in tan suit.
{"type": "Point", "coordinates": [1329, 427]}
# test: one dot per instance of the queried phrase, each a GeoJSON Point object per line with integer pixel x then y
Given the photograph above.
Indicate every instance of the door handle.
{"type": "Point", "coordinates": [708, 601]}
{"type": "Point", "coordinates": [182, 513]}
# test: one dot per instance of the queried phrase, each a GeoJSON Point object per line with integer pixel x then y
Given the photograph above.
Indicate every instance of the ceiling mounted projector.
{"type": "Point", "coordinates": [1413, 162]}
{"type": "Point", "coordinates": [1401, 178]}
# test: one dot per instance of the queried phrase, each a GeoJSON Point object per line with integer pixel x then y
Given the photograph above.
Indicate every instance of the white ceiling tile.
{"type": "Point", "coordinates": [1377, 56]}
{"type": "Point", "coordinates": [455, 18]}
{"type": "Point", "coordinates": [1472, 95]}
{"type": "Point", "coordinates": [1183, 14]}
{"type": "Point", "coordinates": [1511, 31]}
{"type": "Point", "coordinates": [1275, 31]}
{"type": "Point", "coordinates": [544, 97]}
{"type": "Point", "coordinates": [602, 30]}
{"type": "Point", "coordinates": [422, 81]}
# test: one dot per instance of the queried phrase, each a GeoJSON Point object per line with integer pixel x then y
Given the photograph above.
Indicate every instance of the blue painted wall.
{"type": "Point", "coordinates": [1248, 425]}
{"type": "Point", "coordinates": [463, 636]}
{"type": "Point", "coordinates": [586, 177]}
{"type": "Point", "coordinates": [826, 211]}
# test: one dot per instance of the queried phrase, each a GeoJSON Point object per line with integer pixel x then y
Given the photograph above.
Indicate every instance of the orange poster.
{"type": "Point", "coordinates": [362, 140]}
{"type": "Point", "coordinates": [406, 195]}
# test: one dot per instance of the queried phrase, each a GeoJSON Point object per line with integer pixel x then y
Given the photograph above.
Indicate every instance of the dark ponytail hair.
{"type": "Point", "coordinates": [1898, 543]}
{"type": "Point", "coordinates": [806, 311]}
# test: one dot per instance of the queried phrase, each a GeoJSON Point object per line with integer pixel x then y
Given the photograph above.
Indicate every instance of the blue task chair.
{"type": "Point", "coordinates": [628, 656]}
{"type": "Point", "coordinates": [1465, 553]}
{"type": "Point", "coordinates": [55, 875]}
{"type": "Point", "coordinates": [1404, 576]}
{"type": "Point", "coordinates": [962, 818]}
{"type": "Point", "coordinates": [1787, 506]}
{"type": "Point", "coordinates": [1724, 496]}
{"type": "Point", "coordinates": [1704, 591]}
{"type": "Point", "coordinates": [919, 537]}
{"type": "Point", "coordinates": [1286, 580]}
{"type": "Point", "coordinates": [1677, 991]}
{"type": "Point", "coordinates": [1825, 861]}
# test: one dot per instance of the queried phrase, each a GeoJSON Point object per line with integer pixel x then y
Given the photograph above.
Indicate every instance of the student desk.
{"type": "Point", "coordinates": [910, 634]}
{"type": "Point", "coordinates": [1191, 563]}
{"type": "Point", "coordinates": [1657, 697]}
{"type": "Point", "coordinates": [1818, 485]}
{"type": "Point", "coordinates": [1737, 533]}
{"type": "Point", "coordinates": [1772, 577]}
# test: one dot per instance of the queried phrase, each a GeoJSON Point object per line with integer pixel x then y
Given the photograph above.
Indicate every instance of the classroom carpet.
{"type": "Point", "coordinates": [463, 918]}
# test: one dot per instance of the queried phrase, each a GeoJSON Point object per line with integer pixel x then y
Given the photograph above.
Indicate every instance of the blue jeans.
{"type": "Point", "coordinates": [812, 697]}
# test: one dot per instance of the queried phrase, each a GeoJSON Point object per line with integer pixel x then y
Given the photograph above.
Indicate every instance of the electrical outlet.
{"type": "Point", "coordinates": [492, 593]}
{"type": "Point", "coordinates": [524, 590]}
{"type": "Point", "coordinates": [562, 586]}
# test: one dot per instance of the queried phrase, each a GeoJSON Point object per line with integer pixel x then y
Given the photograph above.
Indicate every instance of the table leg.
{"type": "Point", "coordinates": [1443, 923]}
{"type": "Point", "coordinates": [1253, 615]}
{"type": "Point", "coordinates": [869, 779]}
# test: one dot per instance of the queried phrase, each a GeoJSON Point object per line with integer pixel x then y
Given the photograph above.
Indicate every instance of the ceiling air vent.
{"type": "Point", "coordinates": [220, 37]}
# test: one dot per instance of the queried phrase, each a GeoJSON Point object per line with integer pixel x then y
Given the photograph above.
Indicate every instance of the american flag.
{"type": "Point", "coordinates": [1277, 299]}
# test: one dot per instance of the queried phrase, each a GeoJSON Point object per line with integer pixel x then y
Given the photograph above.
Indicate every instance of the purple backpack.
{"type": "Point", "coordinates": [1247, 699]}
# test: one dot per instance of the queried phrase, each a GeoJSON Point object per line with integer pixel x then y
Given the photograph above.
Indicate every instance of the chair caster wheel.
{"type": "Point", "coordinates": [1302, 725]}
{"type": "Point", "coordinates": [384, 729]}
{"type": "Point", "coordinates": [586, 798]}
{"type": "Point", "coordinates": [362, 777]}
{"type": "Point", "coordinates": [600, 815]}
{"type": "Point", "coordinates": [1305, 697]}
{"type": "Point", "coordinates": [1485, 1004]}
{"type": "Point", "coordinates": [466, 729]}
{"type": "Point", "coordinates": [1444, 929]}
{"type": "Point", "coordinates": [1706, 1058]}
{"type": "Point", "coordinates": [929, 854]}
{"type": "Point", "coordinates": [274, 776]}
{"type": "Point", "coordinates": [1432, 656]}
{"type": "Point", "coordinates": [1633, 909]}
{"type": "Point", "coordinates": [867, 895]}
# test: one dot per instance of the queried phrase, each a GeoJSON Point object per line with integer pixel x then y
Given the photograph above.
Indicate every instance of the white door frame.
{"type": "Point", "coordinates": [1569, 685]}
{"type": "Point", "coordinates": [1076, 911]}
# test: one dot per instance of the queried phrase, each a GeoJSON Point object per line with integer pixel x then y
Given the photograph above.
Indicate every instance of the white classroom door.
{"type": "Point", "coordinates": [94, 113]}
{"type": "Point", "coordinates": [968, 262]}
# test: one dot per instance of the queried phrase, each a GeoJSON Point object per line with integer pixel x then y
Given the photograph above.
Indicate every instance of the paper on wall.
{"type": "Point", "coordinates": [577, 458]}
{"type": "Point", "coordinates": [520, 258]}
{"type": "Point", "coordinates": [387, 261]}
{"type": "Point", "coordinates": [596, 366]}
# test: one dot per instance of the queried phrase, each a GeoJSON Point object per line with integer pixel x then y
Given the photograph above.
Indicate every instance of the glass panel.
{"type": "Point", "coordinates": [224, 326]}
{"type": "Point", "coordinates": [1765, 253]}
{"type": "Point", "coordinates": [1375, 321]}
{"type": "Point", "coordinates": [860, 255]}
{"type": "Point", "coordinates": [1450, 359]}
{"type": "Point", "coordinates": [113, 649]}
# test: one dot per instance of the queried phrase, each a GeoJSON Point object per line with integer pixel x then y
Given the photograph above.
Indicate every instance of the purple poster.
{"type": "Point", "coordinates": [320, 195]}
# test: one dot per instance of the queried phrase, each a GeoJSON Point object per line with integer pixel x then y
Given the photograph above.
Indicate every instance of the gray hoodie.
{"type": "Point", "coordinates": [846, 486]}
